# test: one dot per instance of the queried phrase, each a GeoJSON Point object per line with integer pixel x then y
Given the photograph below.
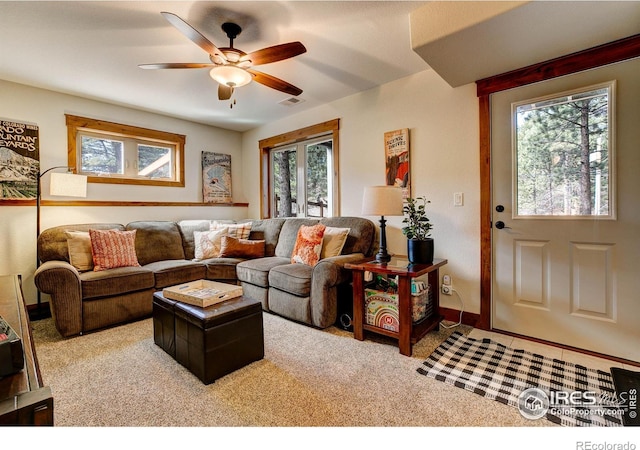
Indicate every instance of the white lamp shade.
{"type": "Point", "coordinates": [230, 76]}
{"type": "Point", "coordinates": [382, 201]}
{"type": "Point", "coordinates": [68, 185]}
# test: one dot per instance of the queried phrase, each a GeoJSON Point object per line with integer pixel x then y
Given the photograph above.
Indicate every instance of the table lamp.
{"type": "Point", "coordinates": [382, 201]}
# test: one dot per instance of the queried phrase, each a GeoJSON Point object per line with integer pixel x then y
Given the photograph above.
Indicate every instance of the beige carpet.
{"type": "Point", "coordinates": [308, 378]}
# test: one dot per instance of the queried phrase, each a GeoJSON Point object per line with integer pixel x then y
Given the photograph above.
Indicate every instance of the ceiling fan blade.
{"type": "Point", "coordinates": [193, 35]}
{"type": "Point", "coordinates": [275, 53]}
{"type": "Point", "coordinates": [176, 66]}
{"type": "Point", "coordinates": [224, 92]}
{"type": "Point", "coordinates": [274, 83]}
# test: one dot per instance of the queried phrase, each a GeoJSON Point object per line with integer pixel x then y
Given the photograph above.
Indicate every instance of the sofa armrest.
{"type": "Point", "coordinates": [327, 274]}
{"type": "Point", "coordinates": [62, 281]}
{"type": "Point", "coordinates": [344, 275]}
{"type": "Point", "coordinates": [341, 260]}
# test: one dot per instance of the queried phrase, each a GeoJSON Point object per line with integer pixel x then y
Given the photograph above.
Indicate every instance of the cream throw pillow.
{"type": "Point", "coordinates": [79, 245]}
{"type": "Point", "coordinates": [237, 230]}
{"type": "Point", "coordinates": [333, 241]}
{"type": "Point", "coordinates": [208, 243]}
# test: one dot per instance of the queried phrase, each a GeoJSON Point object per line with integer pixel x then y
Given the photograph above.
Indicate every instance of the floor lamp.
{"type": "Point", "coordinates": [62, 184]}
{"type": "Point", "coordinates": [382, 201]}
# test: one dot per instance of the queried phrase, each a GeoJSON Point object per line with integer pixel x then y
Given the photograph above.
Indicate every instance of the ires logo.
{"type": "Point", "coordinates": [575, 398]}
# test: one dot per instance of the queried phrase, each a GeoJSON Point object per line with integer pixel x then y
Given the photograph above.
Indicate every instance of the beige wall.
{"type": "Point", "coordinates": [47, 110]}
{"type": "Point", "coordinates": [443, 123]}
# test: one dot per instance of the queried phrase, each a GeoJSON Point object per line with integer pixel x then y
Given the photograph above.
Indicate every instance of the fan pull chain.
{"type": "Point", "coordinates": [232, 103]}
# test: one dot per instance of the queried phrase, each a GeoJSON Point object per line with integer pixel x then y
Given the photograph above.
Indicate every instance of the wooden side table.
{"type": "Point", "coordinates": [24, 399]}
{"type": "Point", "coordinates": [408, 333]}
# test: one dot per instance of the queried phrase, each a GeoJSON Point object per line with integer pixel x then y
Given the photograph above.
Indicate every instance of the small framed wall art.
{"type": "Point", "coordinates": [396, 152]}
{"type": "Point", "coordinates": [216, 178]}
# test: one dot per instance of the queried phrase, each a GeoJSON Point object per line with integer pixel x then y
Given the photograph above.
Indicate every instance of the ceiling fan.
{"type": "Point", "coordinates": [232, 67]}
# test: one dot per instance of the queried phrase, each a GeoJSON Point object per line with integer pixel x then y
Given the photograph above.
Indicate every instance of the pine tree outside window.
{"type": "Point", "coordinates": [564, 155]}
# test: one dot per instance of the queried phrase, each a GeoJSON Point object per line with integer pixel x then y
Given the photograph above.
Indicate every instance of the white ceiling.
{"type": "Point", "coordinates": [92, 49]}
{"type": "Point", "coordinates": [491, 38]}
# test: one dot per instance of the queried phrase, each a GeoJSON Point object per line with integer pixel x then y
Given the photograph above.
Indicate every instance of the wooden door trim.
{"type": "Point", "coordinates": [613, 52]}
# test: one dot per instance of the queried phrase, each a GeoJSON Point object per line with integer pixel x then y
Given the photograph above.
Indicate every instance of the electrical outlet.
{"type": "Point", "coordinates": [446, 279]}
{"type": "Point", "coordinates": [446, 289]}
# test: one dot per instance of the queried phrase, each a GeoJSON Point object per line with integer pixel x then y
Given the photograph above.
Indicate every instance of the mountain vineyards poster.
{"type": "Point", "coordinates": [216, 178]}
{"type": "Point", "coordinates": [19, 160]}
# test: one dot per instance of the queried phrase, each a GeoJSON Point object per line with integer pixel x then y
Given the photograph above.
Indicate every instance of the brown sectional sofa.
{"type": "Point", "coordinates": [86, 301]}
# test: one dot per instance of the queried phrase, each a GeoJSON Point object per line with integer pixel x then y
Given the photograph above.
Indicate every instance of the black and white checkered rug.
{"type": "Point", "coordinates": [573, 395]}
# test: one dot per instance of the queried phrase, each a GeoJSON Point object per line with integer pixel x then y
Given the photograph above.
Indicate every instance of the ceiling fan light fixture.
{"type": "Point", "coordinates": [230, 76]}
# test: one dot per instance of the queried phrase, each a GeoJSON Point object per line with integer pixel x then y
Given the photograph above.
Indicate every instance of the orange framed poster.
{"type": "Point", "coordinates": [396, 152]}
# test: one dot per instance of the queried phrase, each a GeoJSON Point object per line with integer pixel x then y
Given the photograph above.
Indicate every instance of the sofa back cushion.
{"type": "Point", "coordinates": [187, 228]}
{"type": "Point", "coordinates": [52, 242]}
{"type": "Point", "coordinates": [157, 241]}
{"type": "Point", "coordinates": [267, 230]}
{"type": "Point", "coordinates": [289, 234]}
{"type": "Point", "coordinates": [361, 233]}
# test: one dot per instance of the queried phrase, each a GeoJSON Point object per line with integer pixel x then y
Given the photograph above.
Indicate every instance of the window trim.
{"type": "Point", "coordinates": [77, 123]}
{"type": "Point", "coordinates": [293, 137]}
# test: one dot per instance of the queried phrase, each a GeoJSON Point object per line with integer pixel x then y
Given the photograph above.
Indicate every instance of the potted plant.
{"type": "Point", "coordinates": [417, 229]}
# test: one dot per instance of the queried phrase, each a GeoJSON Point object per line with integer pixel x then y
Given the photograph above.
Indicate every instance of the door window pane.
{"type": "Point", "coordinates": [284, 182]}
{"type": "Point", "coordinates": [564, 155]}
{"type": "Point", "coordinates": [317, 178]}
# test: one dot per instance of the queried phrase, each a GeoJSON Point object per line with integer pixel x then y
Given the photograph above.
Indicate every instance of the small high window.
{"type": "Point", "coordinates": [114, 153]}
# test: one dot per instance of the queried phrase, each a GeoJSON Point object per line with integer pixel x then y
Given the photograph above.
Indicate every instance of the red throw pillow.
{"type": "Point", "coordinates": [113, 248]}
{"type": "Point", "coordinates": [308, 245]}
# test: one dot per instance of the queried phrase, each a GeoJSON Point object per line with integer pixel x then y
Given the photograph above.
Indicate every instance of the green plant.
{"type": "Point", "coordinates": [417, 223]}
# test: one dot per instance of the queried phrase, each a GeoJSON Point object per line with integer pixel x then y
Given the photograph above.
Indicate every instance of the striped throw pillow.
{"type": "Point", "coordinates": [113, 248]}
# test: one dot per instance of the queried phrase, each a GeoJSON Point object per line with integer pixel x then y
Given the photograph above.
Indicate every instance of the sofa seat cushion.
{"type": "Point", "coordinates": [292, 278]}
{"type": "Point", "coordinates": [221, 268]}
{"type": "Point", "coordinates": [120, 280]}
{"type": "Point", "coordinates": [176, 271]}
{"type": "Point", "coordinates": [256, 271]}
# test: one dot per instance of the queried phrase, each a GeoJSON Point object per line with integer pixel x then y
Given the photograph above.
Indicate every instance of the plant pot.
{"type": "Point", "coordinates": [420, 251]}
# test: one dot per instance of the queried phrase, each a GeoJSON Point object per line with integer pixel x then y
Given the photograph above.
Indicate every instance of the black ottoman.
{"type": "Point", "coordinates": [210, 342]}
{"type": "Point", "coordinates": [164, 334]}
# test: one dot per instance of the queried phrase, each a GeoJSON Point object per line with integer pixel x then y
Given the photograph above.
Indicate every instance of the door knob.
{"type": "Point", "coordinates": [499, 208]}
{"type": "Point", "coordinates": [500, 225]}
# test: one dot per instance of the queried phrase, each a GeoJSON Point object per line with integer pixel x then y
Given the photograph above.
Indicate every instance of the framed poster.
{"type": "Point", "coordinates": [19, 160]}
{"type": "Point", "coordinates": [396, 152]}
{"type": "Point", "coordinates": [216, 178]}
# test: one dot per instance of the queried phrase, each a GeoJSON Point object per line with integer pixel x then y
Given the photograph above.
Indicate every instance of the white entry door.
{"type": "Point", "coordinates": [565, 271]}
